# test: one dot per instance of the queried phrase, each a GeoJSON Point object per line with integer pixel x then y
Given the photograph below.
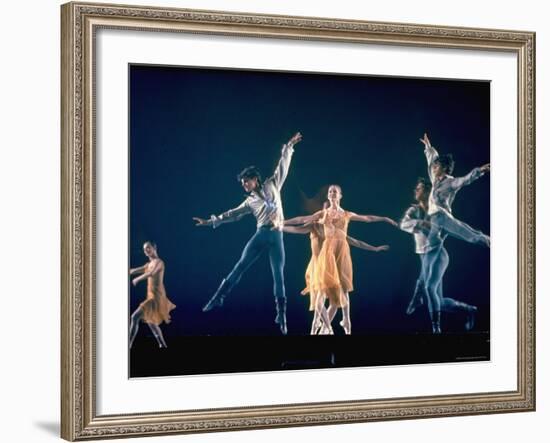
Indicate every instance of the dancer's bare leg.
{"type": "Point", "coordinates": [155, 329]}
{"type": "Point", "coordinates": [331, 313]}
{"type": "Point", "coordinates": [346, 319]}
{"type": "Point", "coordinates": [134, 325]}
{"type": "Point", "coordinates": [316, 322]}
{"type": "Point", "coordinates": [326, 327]}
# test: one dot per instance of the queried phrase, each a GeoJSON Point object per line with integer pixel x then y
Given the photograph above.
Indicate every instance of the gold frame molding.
{"type": "Point", "coordinates": [79, 23]}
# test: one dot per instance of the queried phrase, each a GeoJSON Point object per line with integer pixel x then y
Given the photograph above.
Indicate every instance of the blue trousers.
{"type": "Point", "coordinates": [442, 223]}
{"type": "Point", "coordinates": [268, 240]}
{"type": "Point", "coordinates": [433, 267]}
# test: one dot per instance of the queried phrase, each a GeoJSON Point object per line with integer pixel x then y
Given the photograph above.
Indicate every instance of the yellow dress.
{"type": "Point", "coordinates": [333, 275]}
{"type": "Point", "coordinates": [316, 238]}
{"type": "Point", "coordinates": [156, 307]}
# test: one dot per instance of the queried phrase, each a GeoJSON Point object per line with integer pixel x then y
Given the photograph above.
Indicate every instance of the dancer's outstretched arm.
{"type": "Point", "coordinates": [157, 266]}
{"type": "Point", "coordinates": [297, 229]}
{"type": "Point", "coordinates": [281, 171]}
{"type": "Point", "coordinates": [472, 176]}
{"type": "Point", "coordinates": [371, 219]}
{"type": "Point", "coordinates": [227, 217]}
{"type": "Point", "coordinates": [304, 219]}
{"type": "Point", "coordinates": [138, 270]}
{"type": "Point", "coordinates": [431, 155]}
{"type": "Point", "coordinates": [412, 224]}
{"type": "Point", "coordinates": [362, 245]}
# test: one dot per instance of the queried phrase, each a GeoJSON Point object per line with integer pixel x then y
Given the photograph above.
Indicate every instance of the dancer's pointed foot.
{"type": "Point", "coordinates": [280, 318]}
{"type": "Point", "coordinates": [316, 328]}
{"type": "Point", "coordinates": [470, 319]}
{"type": "Point", "coordinates": [415, 302]}
{"type": "Point", "coordinates": [436, 328]}
{"type": "Point", "coordinates": [486, 241]}
{"type": "Point", "coordinates": [215, 302]}
{"type": "Point", "coordinates": [218, 298]}
{"type": "Point", "coordinates": [346, 326]}
{"type": "Point", "coordinates": [436, 322]}
{"type": "Point", "coordinates": [326, 330]}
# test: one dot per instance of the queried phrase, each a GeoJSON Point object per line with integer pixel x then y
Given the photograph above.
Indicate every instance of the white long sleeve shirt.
{"type": "Point", "coordinates": [444, 189]}
{"type": "Point", "coordinates": [413, 223]}
{"type": "Point", "coordinates": [264, 203]}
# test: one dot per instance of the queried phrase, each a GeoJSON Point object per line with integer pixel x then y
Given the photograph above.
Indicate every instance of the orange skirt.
{"type": "Point", "coordinates": [333, 273]}
{"type": "Point", "coordinates": [156, 308]}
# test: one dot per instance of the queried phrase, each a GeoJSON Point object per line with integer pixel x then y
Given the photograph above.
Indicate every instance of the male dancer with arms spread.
{"type": "Point", "coordinates": [264, 202]}
{"type": "Point", "coordinates": [434, 260]}
{"type": "Point", "coordinates": [442, 195]}
{"type": "Point", "coordinates": [444, 188]}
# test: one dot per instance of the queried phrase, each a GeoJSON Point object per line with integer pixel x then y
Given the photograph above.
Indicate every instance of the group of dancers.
{"type": "Point", "coordinates": [329, 274]}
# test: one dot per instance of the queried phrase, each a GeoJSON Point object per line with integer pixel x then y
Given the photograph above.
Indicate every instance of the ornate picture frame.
{"type": "Point", "coordinates": [80, 243]}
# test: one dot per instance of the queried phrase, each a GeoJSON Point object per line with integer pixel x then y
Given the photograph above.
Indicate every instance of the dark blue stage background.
{"type": "Point", "coordinates": [191, 132]}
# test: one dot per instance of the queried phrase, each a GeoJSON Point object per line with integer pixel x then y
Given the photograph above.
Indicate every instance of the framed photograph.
{"type": "Point", "coordinates": [281, 221]}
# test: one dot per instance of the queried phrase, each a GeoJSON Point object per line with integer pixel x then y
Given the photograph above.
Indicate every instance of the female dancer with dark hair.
{"type": "Point", "coordinates": [333, 273]}
{"type": "Point", "coordinates": [321, 322]}
{"type": "Point", "coordinates": [156, 307]}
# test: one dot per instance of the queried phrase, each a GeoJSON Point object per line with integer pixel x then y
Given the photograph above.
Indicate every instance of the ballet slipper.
{"type": "Point", "coordinates": [346, 326]}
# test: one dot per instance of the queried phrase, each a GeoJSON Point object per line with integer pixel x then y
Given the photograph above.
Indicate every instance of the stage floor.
{"type": "Point", "coordinates": [228, 354]}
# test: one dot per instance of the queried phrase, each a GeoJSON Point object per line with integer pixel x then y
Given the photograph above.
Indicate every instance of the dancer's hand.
{"type": "Point", "coordinates": [381, 248]}
{"type": "Point", "coordinates": [390, 221]}
{"type": "Point", "coordinates": [135, 281]}
{"type": "Point", "coordinates": [296, 138]}
{"type": "Point", "coordinates": [200, 221]}
{"type": "Point", "coordinates": [485, 168]}
{"type": "Point", "coordinates": [426, 141]}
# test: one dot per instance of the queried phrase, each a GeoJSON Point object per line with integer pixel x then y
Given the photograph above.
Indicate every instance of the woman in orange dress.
{"type": "Point", "coordinates": [333, 271]}
{"type": "Point", "coordinates": [156, 308]}
{"type": "Point", "coordinates": [321, 322]}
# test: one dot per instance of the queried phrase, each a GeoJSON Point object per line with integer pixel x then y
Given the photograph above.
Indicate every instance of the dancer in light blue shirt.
{"type": "Point", "coordinates": [434, 260]}
{"type": "Point", "coordinates": [264, 202]}
{"type": "Point", "coordinates": [442, 195]}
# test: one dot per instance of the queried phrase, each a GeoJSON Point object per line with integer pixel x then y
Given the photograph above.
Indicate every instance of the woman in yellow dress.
{"type": "Point", "coordinates": [321, 322]}
{"type": "Point", "coordinates": [156, 308]}
{"type": "Point", "coordinates": [333, 271]}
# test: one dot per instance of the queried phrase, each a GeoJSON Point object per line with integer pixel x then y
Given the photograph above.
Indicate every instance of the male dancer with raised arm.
{"type": "Point", "coordinates": [442, 195]}
{"type": "Point", "coordinates": [264, 202]}
{"type": "Point", "coordinates": [434, 260]}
